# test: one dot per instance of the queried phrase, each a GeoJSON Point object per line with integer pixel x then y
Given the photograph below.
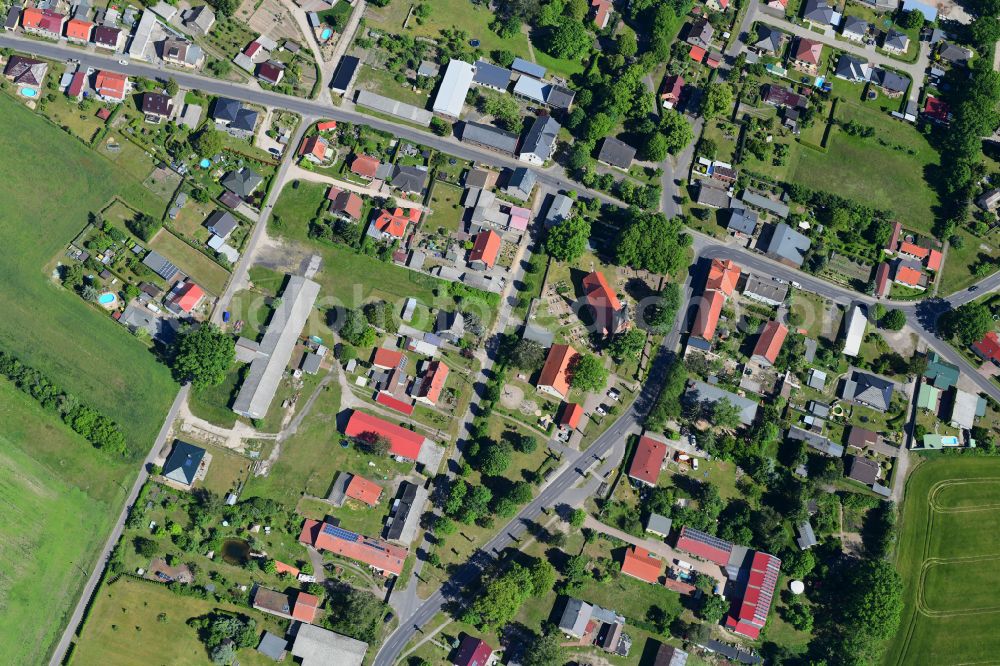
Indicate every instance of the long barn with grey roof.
{"type": "Point", "coordinates": [276, 347]}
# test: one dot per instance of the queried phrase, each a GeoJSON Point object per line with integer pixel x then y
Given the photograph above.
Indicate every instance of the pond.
{"type": "Point", "coordinates": [235, 552]}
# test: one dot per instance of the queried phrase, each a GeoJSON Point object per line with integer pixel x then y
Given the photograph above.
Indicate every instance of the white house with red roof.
{"type": "Point", "coordinates": [647, 461]}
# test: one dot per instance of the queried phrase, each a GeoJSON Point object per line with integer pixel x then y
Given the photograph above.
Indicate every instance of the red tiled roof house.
{"type": "Point", "coordinates": [647, 461]}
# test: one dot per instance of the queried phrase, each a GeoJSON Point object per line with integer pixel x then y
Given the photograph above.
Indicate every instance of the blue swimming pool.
{"type": "Point", "coordinates": [205, 163]}
{"type": "Point", "coordinates": [29, 92]}
{"type": "Point", "coordinates": [106, 298]}
{"type": "Point", "coordinates": [326, 34]}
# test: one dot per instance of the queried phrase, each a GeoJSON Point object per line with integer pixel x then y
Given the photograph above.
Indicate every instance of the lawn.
{"type": "Point", "coordinates": [197, 265]}
{"type": "Point", "coordinates": [812, 308]}
{"type": "Point", "coordinates": [383, 82]}
{"type": "Point", "coordinates": [299, 203]}
{"type": "Point", "coordinates": [447, 208]}
{"type": "Point", "coordinates": [124, 627]}
{"type": "Point", "coordinates": [77, 346]}
{"type": "Point", "coordinates": [59, 496]}
{"type": "Point", "coordinates": [957, 272]}
{"type": "Point", "coordinates": [887, 177]}
{"type": "Point", "coordinates": [130, 157]}
{"type": "Point", "coordinates": [948, 555]}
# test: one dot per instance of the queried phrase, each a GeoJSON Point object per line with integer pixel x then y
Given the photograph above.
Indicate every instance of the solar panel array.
{"type": "Point", "coordinates": [339, 532]}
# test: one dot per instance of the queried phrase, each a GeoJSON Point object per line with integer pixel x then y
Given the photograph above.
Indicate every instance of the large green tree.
{"type": "Point", "coordinates": [628, 344]}
{"type": "Point", "coordinates": [676, 130]}
{"type": "Point", "coordinates": [568, 39]}
{"type": "Point", "coordinates": [970, 322]}
{"type": "Point", "coordinates": [718, 99]}
{"type": "Point", "coordinates": [569, 239]}
{"type": "Point", "coordinates": [203, 356]}
{"type": "Point", "coordinates": [652, 242]}
{"type": "Point", "coordinates": [588, 373]}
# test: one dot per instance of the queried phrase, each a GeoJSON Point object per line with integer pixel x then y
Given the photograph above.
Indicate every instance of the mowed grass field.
{"type": "Point", "coordinates": [882, 176]}
{"type": "Point", "coordinates": [125, 628]}
{"type": "Point", "coordinates": [202, 269]}
{"type": "Point", "coordinates": [949, 557]}
{"type": "Point", "coordinates": [59, 497]}
{"type": "Point", "coordinates": [50, 183]}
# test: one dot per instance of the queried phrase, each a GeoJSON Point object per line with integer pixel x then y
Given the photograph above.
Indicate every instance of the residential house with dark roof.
{"type": "Point", "coordinates": [861, 438]}
{"type": "Point", "coordinates": [896, 42]}
{"type": "Point", "coordinates": [742, 222]}
{"type": "Point", "coordinates": [231, 116]}
{"type": "Point", "coordinates": [769, 40]}
{"type": "Point", "coordinates": [782, 97]}
{"type": "Point", "coordinates": [183, 463]}
{"type": "Point", "coordinates": [409, 178]}
{"type": "Point", "coordinates": [25, 71]}
{"type": "Point", "coordinates": [700, 33]}
{"type": "Point", "coordinates": [108, 37]}
{"type": "Point", "coordinates": [787, 245]}
{"type": "Point", "coordinates": [559, 97]}
{"type": "Point", "coordinates": [891, 83]}
{"type": "Point", "coordinates": [862, 470]}
{"type": "Point", "coordinates": [344, 75]}
{"type": "Point", "coordinates": [491, 76]}
{"type": "Point", "coordinates": [242, 182]}
{"type": "Point", "coordinates": [520, 183]}
{"type": "Point", "coordinates": [346, 204]}
{"type": "Point", "coordinates": [473, 651]}
{"type": "Point", "coordinates": [851, 68]}
{"type": "Point", "coordinates": [706, 395]}
{"type": "Point", "coordinates": [819, 13]}
{"type": "Point", "coordinates": [617, 153]}
{"type": "Point", "coordinates": [712, 195]}
{"type": "Point", "coordinates": [954, 54]}
{"type": "Point", "coordinates": [13, 17]}
{"type": "Point", "coordinates": [156, 106]}
{"type": "Point", "coordinates": [221, 223]}
{"type": "Point", "coordinates": [855, 28]}
{"type": "Point", "coordinates": [868, 390]}
{"type": "Point", "coordinates": [487, 136]}
{"type": "Point", "coordinates": [540, 142]}
{"type": "Point", "coordinates": [769, 291]}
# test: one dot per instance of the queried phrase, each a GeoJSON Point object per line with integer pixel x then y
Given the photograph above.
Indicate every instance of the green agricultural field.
{"type": "Point", "coordinates": [50, 328]}
{"type": "Point", "coordinates": [59, 497]}
{"type": "Point", "coordinates": [125, 627]}
{"type": "Point", "coordinates": [864, 170]}
{"type": "Point", "coordinates": [949, 557]}
{"type": "Point", "coordinates": [202, 269]}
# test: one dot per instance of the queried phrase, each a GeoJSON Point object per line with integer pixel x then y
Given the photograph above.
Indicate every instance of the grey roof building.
{"type": "Point", "coordinates": [404, 518]}
{"type": "Point", "coordinates": [890, 81]}
{"type": "Point", "coordinates": [540, 141]}
{"type": "Point", "coordinates": [817, 11]}
{"type": "Point", "coordinates": [711, 195]}
{"type": "Point", "coordinates": [850, 68]}
{"type": "Point", "coordinates": [787, 245]}
{"type": "Point", "coordinates": [817, 442]}
{"type": "Point", "coordinates": [896, 41]}
{"type": "Point", "coordinates": [855, 28]}
{"type": "Point", "coordinates": [536, 333]}
{"type": "Point", "coordinates": [806, 538]}
{"type": "Point", "coordinates": [956, 55]}
{"type": "Point", "coordinates": [243, 183]}
{"type": "Point", "coordinates": [616, 153]}
{"type": "Point", "coordinates": [522, 66]}
{"type": "Point", "coordinates": [768, 38]}
{"type": "Point", "coordinates": [157, 263]}
{"type": "Point", "coordinates": [276, 347]}
{"type": "Point", "coordinates": [868, 390]}
{"type": "Point", "coordinates": [182, 464]}
{"type": "Point", "coordinates": [343, 76]}
{"type": "Point", "coordinates": [311, 362]}
{"type": "Point", "coordinates": [409, 178]}
{"type": "Point", "coordinates": [521, 183]}
{"type": "Point", "coordinates": [221, 223]}
{"type": "Point", "coordinates": [767, 291]}
{"type": "Point", "coordinates": [143, 35]}
{"type": "Point", "coordinates": [703, 393]}
{"type": "Point", "coordinates": [490, 137]}
{"type": "Point", "coordinates": [658, 524]}
{"type": "Point", "coordinates": [531, 89]}
{"type": "Point", "coordinates": [200, 19]}
{"type": "Point", "coordinates": [575, 617]}
{"type": "Point", "coordinates": [491, 76]}
{"type": "Point", "coordinates": [273, 646]}
{"type": "Point", "coordinates": [450, 98]}
{"type": "Point", "coordinates": [559, 210]}
{"type": "Point", "coordinates": [394, 107]}
{"type": "Point", "coordinates": [764, 203]}
{"type": "Point", "coordinates": [559, 97]}
{"type": "Point", "coordinates": [428, 68]}
{"type": "Point", "coordinates": [320, 647]}
{"type": "Point", "coordinates": [863, 470]}
{"type": "Point", "coordinates": [742, 220]}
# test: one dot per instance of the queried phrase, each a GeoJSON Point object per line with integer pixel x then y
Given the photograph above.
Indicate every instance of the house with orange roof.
{"type": "Point", "coordinates": [909, 276]}
{"type": "Point", "coordinates": [365, 166]}
{"type": "Point", "coordinates": [326, 125]}
{"type": "Point", "coordinates": [909, 249]}
{"type": "Point", "coordinates": [697, 54]}
{"type": "Point", "coordinates": [44, 22]}
{"type": "Point", "coordinates": [769, 343]}
{"type": "Point", "coordinates": [571, 415]}
{"type": "Point", "coordinates": [428, 389]}
{"type": "Point", "coordinates": [283, 568]}
{"type": "Point", "coordinates": [345, 204]}
{"type": "Point", "coordinates": [485, 250]}
{"type": "Point", "coordinates": [363, 490]}
{"type": "Point", "coordinates": [723, 275]}
{"type": "Point", "coordinates": [933, 261]}
{"type": "Point", "coordinates": [392, 225]}
{"type": "Point", "coordinates": [78, 30]}
{"type": "Point", "coordinates": [314, 148]}
{"type": "Point", "coordinates": [647, 461]}
{"type": "Point", "coordinates": [640, 563]}
{"type": "Point", "coordinates": [187, 296]}
{"type": "Point", "coordinates": [555, 376]}
{"type": "Point", "coordinates": [387, 359]}
{"type": "Point", "coordinates": [709, 310]}
{"type": "Point", "coordinates": [610, 316]}
{"type": "Point", "coordinates": [305, 608]}
{"type": "Point", "coordinates": [602, 13]}
{"type": "Point", "coordinates": [111, 86]}
{"type": "Point", "coordinates": [382, 556]}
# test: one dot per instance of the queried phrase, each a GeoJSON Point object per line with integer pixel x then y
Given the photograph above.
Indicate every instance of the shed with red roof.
{"type": "Point", "coordinates": [363, 490]}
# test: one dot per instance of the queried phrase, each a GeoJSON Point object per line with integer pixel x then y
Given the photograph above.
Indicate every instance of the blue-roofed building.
{"type": "Point", "coordinates": [183, 464]}
{"type": "Point", "coordinates": [522, 66]}
{"type": "Point", "coordinates": [491, 76]}
{"type": "Point", "coordinates": [530, 89]}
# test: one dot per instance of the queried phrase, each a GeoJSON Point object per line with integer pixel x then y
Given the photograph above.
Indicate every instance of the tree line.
{"type": "Point", "coordinates": [101, 431]}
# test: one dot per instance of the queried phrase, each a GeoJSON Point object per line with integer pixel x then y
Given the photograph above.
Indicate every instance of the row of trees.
{"type": "Point", "coordinates": [101, 431]}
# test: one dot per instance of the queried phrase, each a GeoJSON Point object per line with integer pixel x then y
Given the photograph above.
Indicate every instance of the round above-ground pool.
{"type": "Point", "coordinates": [326, 34]}
{"type": "Point", "coordinates": [29, 92]}
{"type": "Point", "coordinates": [106, 298]}
{"type": "Point", "coordinates": [205, 163]}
